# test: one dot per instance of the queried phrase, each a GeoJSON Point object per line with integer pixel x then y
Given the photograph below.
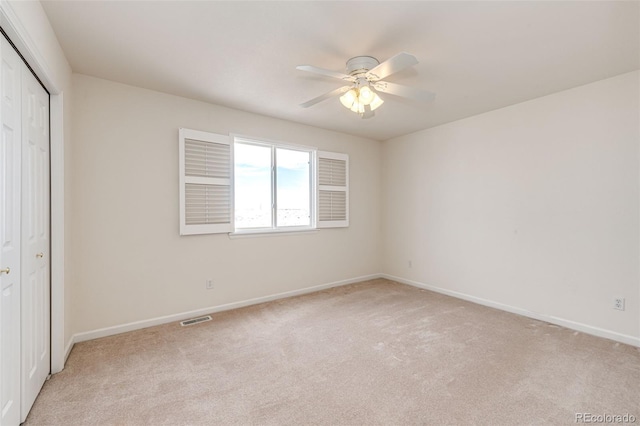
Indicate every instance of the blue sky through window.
{"type": "Point", "coordinates": [253, 186]}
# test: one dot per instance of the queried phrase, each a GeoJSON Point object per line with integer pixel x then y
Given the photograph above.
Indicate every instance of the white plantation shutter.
{"type": "Point", "coordinates": [206, 165]}
{"type": "Point", "coordinates": [333, 190]}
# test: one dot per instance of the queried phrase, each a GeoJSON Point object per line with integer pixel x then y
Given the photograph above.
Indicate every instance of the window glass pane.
{"type": "Point", "coordinates": [292, 181]}
{"type": "Point", "coordinates": [252, 186]}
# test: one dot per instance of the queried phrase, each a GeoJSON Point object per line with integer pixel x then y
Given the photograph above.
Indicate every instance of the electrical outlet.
{"type": "Point", "coordinates": [618, 303]}
{"type": "Point", "coordinates": [209, 284]}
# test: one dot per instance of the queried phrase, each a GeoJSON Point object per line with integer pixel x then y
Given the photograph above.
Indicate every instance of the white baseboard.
{"type": "Point", "coordinates": [584, 328]}
{"type": "Point", "coordinates": [67, 350]}
{"type": "Point", "coordinates": [118, 329]}
{"type": "Point", "coordinates": [110, 331]}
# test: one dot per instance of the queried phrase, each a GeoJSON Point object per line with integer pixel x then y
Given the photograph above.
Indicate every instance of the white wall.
{"type": "Point", "coordinates": [131, 263]}
{"type": "Point", "coordinates": [534, 206]}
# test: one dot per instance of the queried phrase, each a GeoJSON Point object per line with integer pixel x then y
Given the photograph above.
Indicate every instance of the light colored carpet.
{"type": "Point", "coordinates": [376, 352]}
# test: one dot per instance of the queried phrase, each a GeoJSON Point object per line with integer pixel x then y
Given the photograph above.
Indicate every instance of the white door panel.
{"type": "Point", "coordinates": [10, 172]}
{"type": "Point", "coordinates": [35, 240]}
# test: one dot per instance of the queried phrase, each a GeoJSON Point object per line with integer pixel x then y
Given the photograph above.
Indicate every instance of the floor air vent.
{"type": "Point", "coordinates": [195, 320]}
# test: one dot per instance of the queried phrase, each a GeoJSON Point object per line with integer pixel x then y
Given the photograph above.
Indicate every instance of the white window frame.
{"type": "Point", "coordinates": [273, 145]}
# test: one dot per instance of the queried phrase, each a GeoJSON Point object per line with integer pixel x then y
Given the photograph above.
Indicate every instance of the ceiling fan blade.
{"type": "Point", "coordinates": [325, 72]}
{"type": "Point", "coordinates": [337, 92]}
{"type": "Point", "coordinates": [404, 91]}
{"type": "Point", "coordinates": [392, 65]}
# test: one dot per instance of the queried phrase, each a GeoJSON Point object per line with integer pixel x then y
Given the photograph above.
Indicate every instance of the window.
{"type": "Point", "coordinates": [244, 185]}
{"type": "Point", "coordinates": [272, 186]}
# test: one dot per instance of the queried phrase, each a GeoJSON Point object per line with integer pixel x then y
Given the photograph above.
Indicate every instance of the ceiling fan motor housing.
{"type": "Point", "coordinates": [361, 64]}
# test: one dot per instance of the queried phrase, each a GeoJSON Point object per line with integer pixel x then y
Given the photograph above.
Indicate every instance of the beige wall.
{"type": "Point", "coordinates": [534, 206]}
{"type": "Point", "coordinates": [131, 263]}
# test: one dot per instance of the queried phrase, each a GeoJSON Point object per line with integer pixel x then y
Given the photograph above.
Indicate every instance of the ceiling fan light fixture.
{"type": "Point", "coordinates": [376, 102]}
{"type": "Point", "coordinates": [366, 95]}
{"type": "Point", "coordinates": [357, 99]}
{"type": "Point", "coordinates": [358, 107]}
{"type": "Point", "coordinates": [349, 98]}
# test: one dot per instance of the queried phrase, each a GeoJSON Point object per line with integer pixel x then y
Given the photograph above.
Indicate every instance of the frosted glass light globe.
{"type": "Point", "coordinates": [366, 95]}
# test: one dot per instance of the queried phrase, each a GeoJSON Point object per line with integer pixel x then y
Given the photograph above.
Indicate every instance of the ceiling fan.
{"type": "Point", "coordinates": [364, 78]}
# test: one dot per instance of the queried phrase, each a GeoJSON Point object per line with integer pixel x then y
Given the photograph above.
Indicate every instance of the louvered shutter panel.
{"type": "Point", "coordinates": [206, 168]}
{"type": "Point", "coordinates": [333, 190]}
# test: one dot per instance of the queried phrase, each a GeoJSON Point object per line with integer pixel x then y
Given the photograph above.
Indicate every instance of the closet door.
{"type": "Point", "coordinates": [10, 140]}
{"type": "Point", "coordinates": [35, 257]}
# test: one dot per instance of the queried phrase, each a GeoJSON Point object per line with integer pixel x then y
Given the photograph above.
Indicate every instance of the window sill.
{"type": "Point", "coordinates": [270, 233]}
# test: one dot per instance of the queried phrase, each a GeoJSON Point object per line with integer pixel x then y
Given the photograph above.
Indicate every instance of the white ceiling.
{"type": "Point", "coordinates": [477, 56]}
